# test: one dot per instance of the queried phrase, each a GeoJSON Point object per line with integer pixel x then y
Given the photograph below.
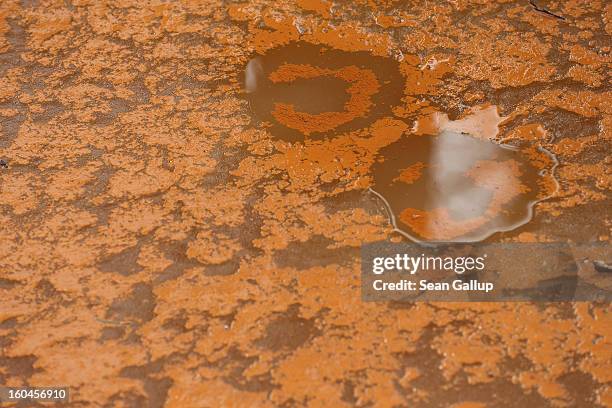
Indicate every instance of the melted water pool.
{"type": "Point", "coordinates": [455, 187]}
{"type": "Point", "coordinates": [442, 183]}
{"type": "Point", "coordinates": [309, 91]}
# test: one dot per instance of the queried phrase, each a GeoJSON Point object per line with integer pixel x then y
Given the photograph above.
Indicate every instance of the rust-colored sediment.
{"type": "Point", "coordinates": [161, 246]}
{"type": "Point", "coordinates": [411, 173]}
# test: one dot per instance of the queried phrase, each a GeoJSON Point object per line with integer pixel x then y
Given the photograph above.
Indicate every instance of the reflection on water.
{"type": "Point", "coordinates": [443, 184]}
{"type": "Point", "coordinates": [482, 122]}
{"type": "Point", "coordinates": [252, 75]}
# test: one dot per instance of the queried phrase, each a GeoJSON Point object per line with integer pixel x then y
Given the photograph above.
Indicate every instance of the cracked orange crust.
{"type": "Point", "coordinates": [127, 138]}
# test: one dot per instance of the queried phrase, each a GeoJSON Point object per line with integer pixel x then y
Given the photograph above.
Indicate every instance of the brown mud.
{"type": "Point", "coordinates": [169, 239]}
